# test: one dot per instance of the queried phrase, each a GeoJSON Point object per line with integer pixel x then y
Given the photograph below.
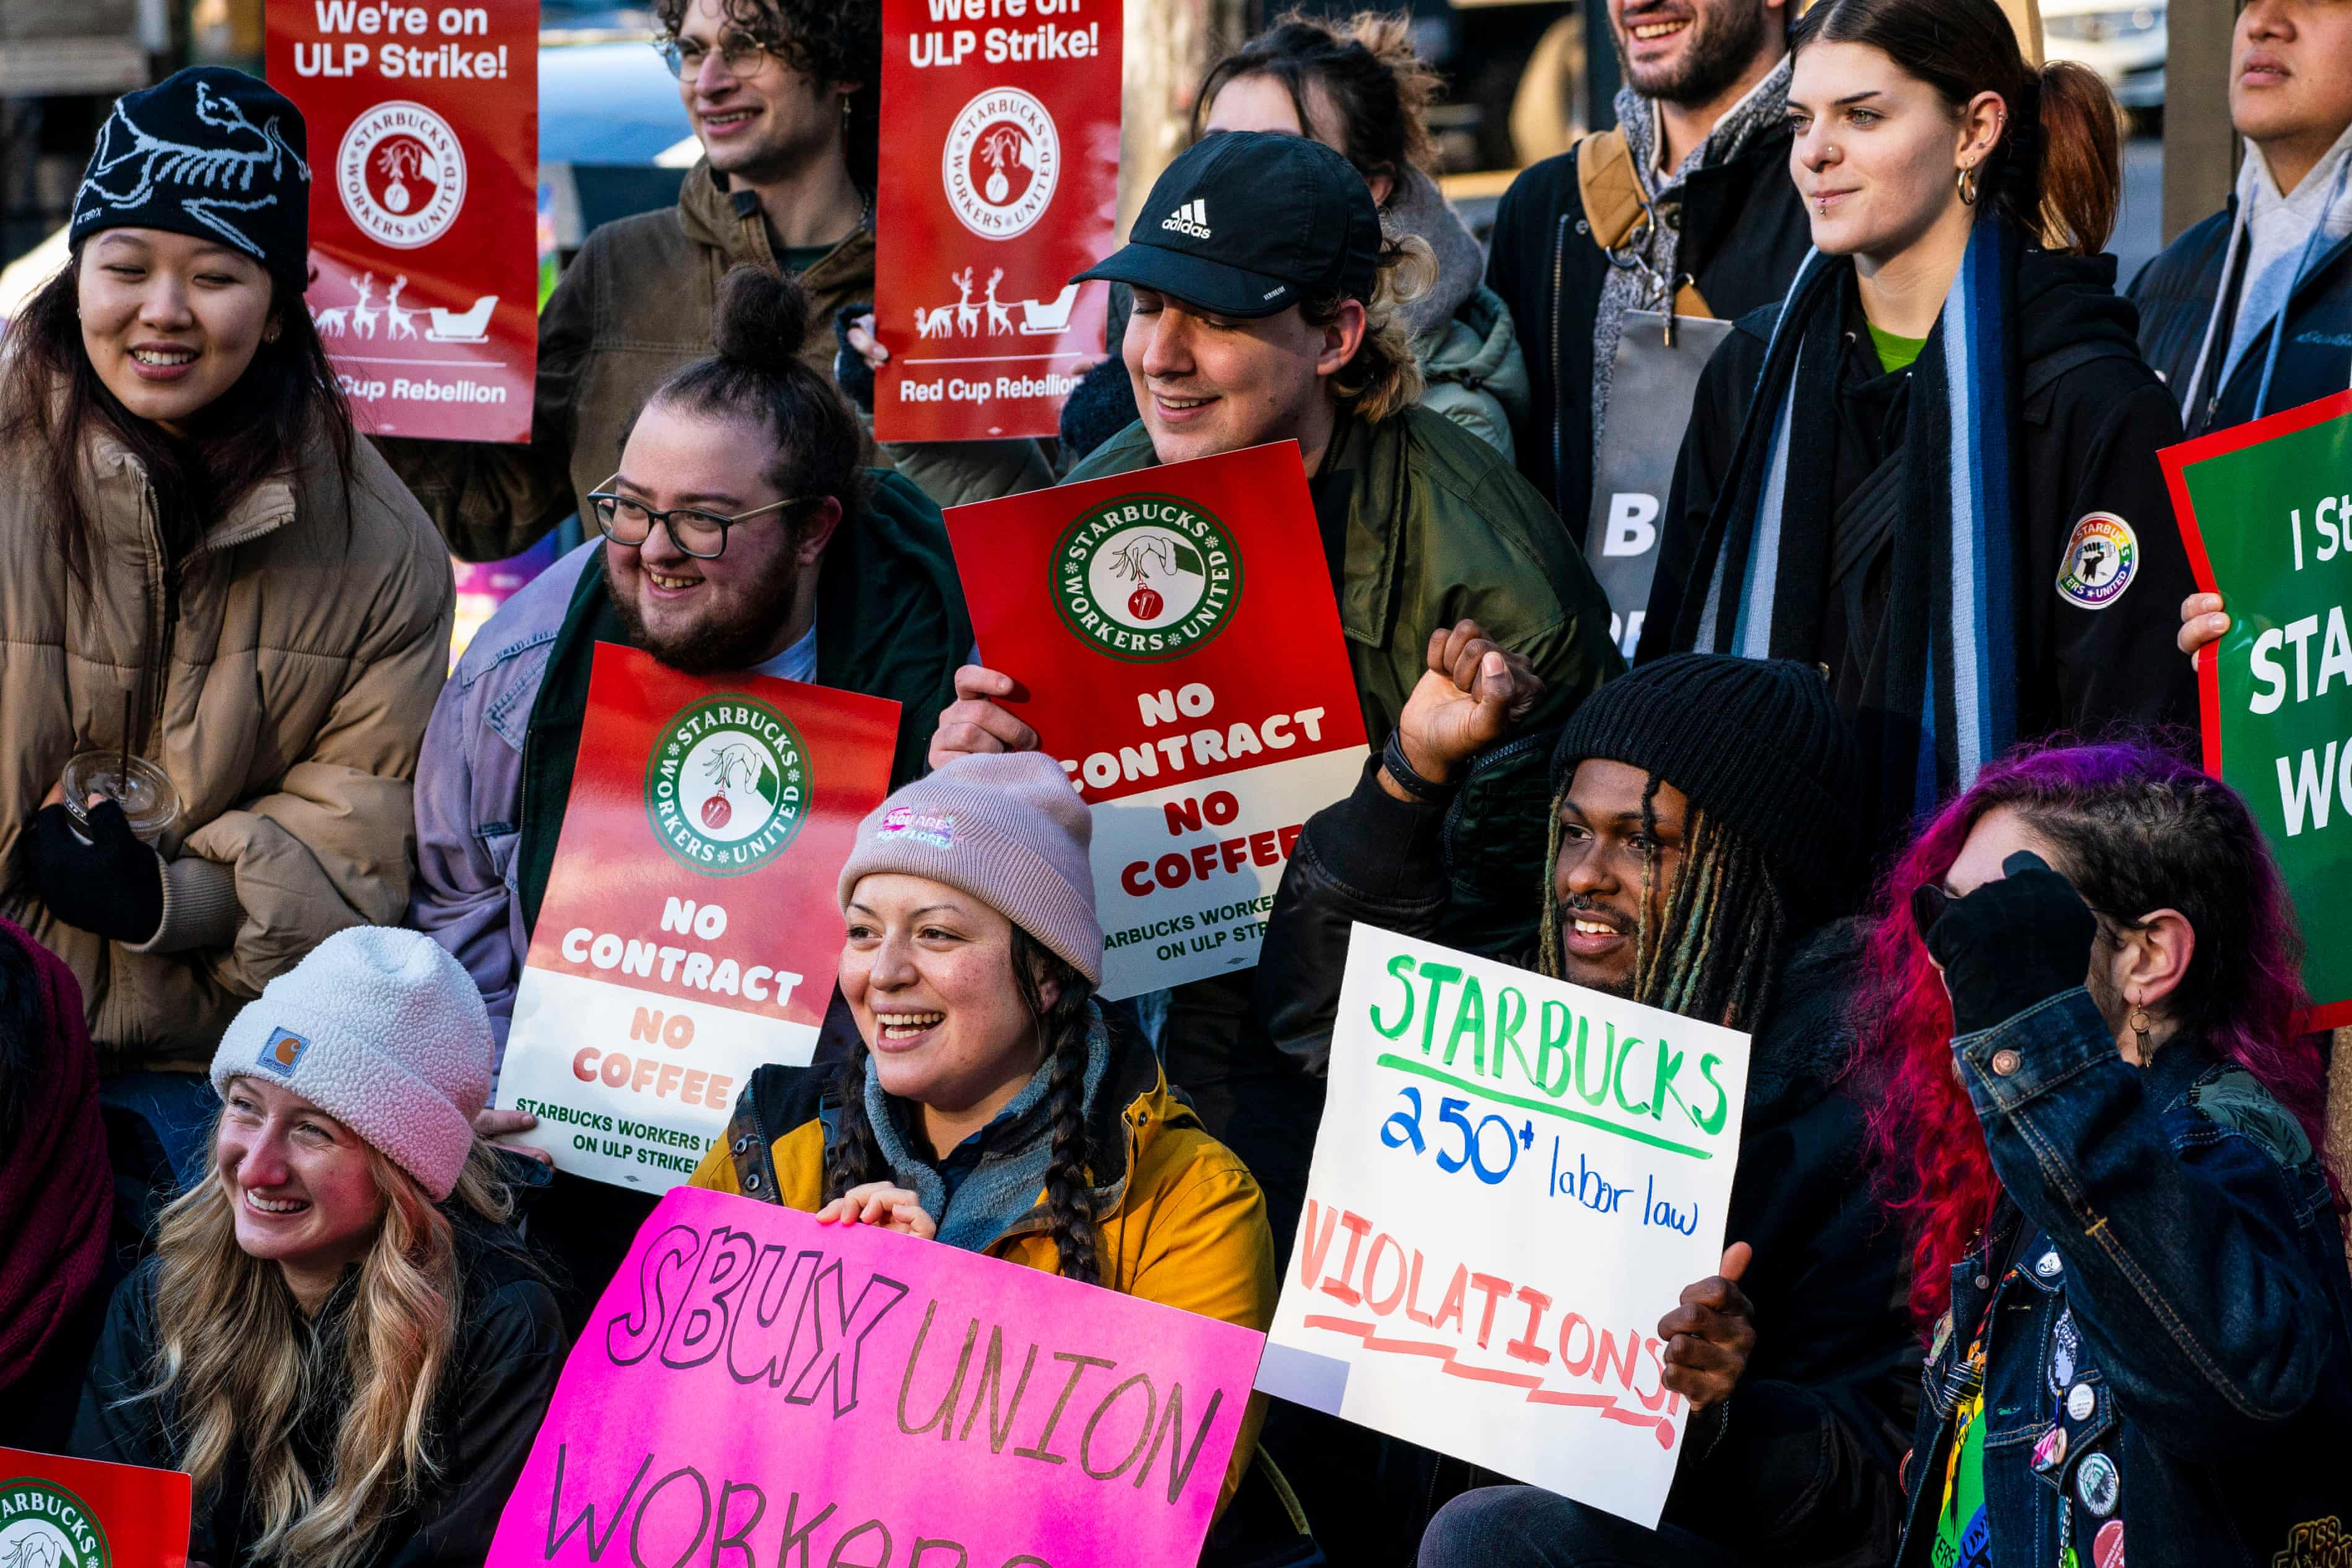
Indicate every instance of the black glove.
{"type": "Point", "coordinates": [113, 885]}
{"type": "Point", "coordinates": [2009, 946]}
{"type": "Point", "coordinates": [851, 374]}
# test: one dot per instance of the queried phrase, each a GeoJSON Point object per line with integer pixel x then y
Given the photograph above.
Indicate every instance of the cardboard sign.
{"type": "Point", "coordinates": [424, 126]}
{"type": "Point", "coordinates": [757, 1387]}
{"type": "Point", "coordinates": [1176, 632]}
{"type": "Point", "coordinates": [1000, 182]}
{"type": "Point", "coordinates": [1514, 1181]}
{"type": "Point", "coordinates": [57, 1512]}
{"type": "Point", "coordinates": [690, 931]}
{"type": "Point", "coordinates": [2265, 510]}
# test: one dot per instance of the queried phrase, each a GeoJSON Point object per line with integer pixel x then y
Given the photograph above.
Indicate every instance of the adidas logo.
{"type": "Point", "coordinates": [1191, 218]}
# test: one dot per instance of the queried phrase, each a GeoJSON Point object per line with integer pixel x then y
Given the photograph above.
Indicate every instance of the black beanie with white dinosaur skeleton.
{"type": "Point", "coordinates": [210, 153]}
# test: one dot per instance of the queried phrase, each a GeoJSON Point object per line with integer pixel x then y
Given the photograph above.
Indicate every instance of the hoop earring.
{"type": "Point", "coordinates": [1966, 182]}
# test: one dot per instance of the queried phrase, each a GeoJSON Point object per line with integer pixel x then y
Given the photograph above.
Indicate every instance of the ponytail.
{"type": "Point", "coordinates": [2057, 169]}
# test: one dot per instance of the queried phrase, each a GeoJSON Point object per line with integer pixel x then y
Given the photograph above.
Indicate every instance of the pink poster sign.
{"type": "Point", "coordinates": [756, 1387]}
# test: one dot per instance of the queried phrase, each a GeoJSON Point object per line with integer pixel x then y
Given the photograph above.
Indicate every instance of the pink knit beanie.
{"type": "Point", "coordinates": [1004, 827]}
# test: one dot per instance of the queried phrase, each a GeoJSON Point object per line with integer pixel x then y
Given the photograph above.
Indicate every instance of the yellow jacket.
{"type": "Point", "coordinates": [1187, 1228]}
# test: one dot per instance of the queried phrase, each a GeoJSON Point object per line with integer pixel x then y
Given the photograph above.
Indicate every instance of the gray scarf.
{"type": "Point", "coordinates": [1018, 1144]}
{"type": "Point", "coordinates": [1419, 207]}
{"type": "Point", "coordinates": [1648, 265]}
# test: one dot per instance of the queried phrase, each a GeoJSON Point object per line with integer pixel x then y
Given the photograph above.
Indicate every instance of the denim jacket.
{"type": "Point", "coordinates": [2168, 1343]}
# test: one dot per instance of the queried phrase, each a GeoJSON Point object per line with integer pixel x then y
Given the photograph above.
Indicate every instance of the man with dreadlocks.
{"type": "Point", "coordinates": [1703, 843]}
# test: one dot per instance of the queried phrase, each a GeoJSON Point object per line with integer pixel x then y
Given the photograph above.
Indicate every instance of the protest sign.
{"type": "Point", "coordinates": [1000, 182]}
{"type": "Point", "coordinates": [424, 142]}
{"type": "Point", "coordinates": [1514, 1180]}
{"type": "Point", "coordinates": [2265, 510]}
{"type": "Point", "coordinates": [755, 1386]}
{"type": "Point", "coordinates": [57, 1512]}
{"type": "Point", "coordinates": [690, 931]}
{"type": "Point", "coordinates": [1182, 656]}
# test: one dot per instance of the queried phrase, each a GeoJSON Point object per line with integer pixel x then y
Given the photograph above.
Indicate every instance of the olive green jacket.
{"type": "Point", "coordinates": [1439, 528]}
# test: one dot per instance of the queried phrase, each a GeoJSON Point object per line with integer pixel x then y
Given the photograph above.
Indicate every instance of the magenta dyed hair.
{"type": "Point", "coordinates": [2136, 830]}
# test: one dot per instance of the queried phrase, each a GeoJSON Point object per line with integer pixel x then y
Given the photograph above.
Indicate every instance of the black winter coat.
{"type": "Point", "coordinates": [2175, 294]}
{"type": "Point", "coordinates": [1743, 234]}
{"type": "Point", "coordinates": [1804, 1474]}
{"type": "Point", "coordinates": [2093, 417]}
{"type": "Point", "coordinates": [510, 1352]}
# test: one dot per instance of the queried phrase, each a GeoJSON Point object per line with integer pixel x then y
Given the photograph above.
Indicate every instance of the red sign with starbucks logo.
{"type": "Point", "coordinates": [1177, 635]}
{"type": "Point", "coordinates": [59, 1513]}
{"type": "Point", "coordinates": [690, 931]}
{"type": "Point", "coordinates": [424, 152]}
{"type": "Point", "coordinates": [1000, 181]}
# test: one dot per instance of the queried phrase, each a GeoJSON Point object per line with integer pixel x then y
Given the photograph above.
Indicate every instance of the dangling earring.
{"type": "Point", "coordinates": [2140, 1024]}
{"type": "Point", "coordinates": [1966, 182]}
{"type": "Point", "coordinates": [269, 333]}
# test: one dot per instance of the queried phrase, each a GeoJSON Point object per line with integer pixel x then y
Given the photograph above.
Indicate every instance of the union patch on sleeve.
{"type": "Point", "coordinates": [2101, 559]}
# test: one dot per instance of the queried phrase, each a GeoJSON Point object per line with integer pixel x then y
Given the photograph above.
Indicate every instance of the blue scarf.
{"type": "Point", "coordinates": [1953, 654]}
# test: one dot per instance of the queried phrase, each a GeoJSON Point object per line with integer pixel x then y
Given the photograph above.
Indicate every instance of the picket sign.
{"type": "Point", "coordinates": [1514, 1181]}
{"type": "Point", "coordinates": [61, 1512]}
{"type": "Point", "coordinates": [2265, 510]}
{"type": "Point", "coordinates": [691, 930]}
{"type": "Point", "coordinates": [1000, 182]}
{"type": "Point", "coordinates": [755, 1386]}
{"type": "Point", "coordinates": [1175, 630]}
{"type": "Point", "coordinates": [423, 154]}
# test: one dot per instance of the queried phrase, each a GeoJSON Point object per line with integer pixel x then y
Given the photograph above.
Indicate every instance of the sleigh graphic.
{"type": "Point", "coordinates": [468, 326]}
{"type": "Point", "coordinates": [1042, 319]}
{"type": "Point", "coordinates": [1039, 318]}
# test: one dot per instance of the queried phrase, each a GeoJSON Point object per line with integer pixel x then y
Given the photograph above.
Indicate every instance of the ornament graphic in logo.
{"type": "Point", "coordinates": [1146, 577]}
{"type": "Point", "coordinates": [2102, 557]}
{"type": "Point", "coordinates": [1001, 164]}
{"type": "Point", "coordinates": [727, 785]}
{"type": "Point", "coordinates": [42, 1525]}
{"type": "Point", "coordinates": [402, 174]}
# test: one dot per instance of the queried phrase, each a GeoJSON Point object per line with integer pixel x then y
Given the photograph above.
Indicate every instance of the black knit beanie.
{"type": "Point", "coordinates": [210, 153]}
{"type": "Point", "coordinates": [1756, 743]}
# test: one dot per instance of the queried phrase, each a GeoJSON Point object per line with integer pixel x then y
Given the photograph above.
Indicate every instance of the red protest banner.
{"type": "Point", "coordinates": [59, 1511]}
{"type": "Point", "coordinates": [1176, 632]}
{"type": "Point", "coordinates": [1000, 181]}
{"type": "Point", "coordinates": [690, 931]}
{"type": "Point", "coordinates": [424, 129]}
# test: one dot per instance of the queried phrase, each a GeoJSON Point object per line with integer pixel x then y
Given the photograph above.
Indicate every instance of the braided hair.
{"type": "Point", "coordinates": [1064, 1026]}
{"type": "Point", "coordinates": [1716, 952]}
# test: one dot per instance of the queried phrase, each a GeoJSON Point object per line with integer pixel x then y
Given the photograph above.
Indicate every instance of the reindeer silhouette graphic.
{"type": "Point", "coordinates": [330, 323]}
{"type": "Point", "coordinates": [398, 323]}
{"type": "Point", "coordinates": [148, 162]}
{"type": "Point", "coordinates": [1000, 317]}
{"type": "Point", "coordinates": [365, 312]}
{"type": "Point", "coordinates": [36, 1551]}
{"type": "Point", "coordinates": [934, 323]}
{"type": "Point", "coordinates": [966, 313]}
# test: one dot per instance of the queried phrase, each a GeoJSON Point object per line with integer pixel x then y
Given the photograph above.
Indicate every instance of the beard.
{"type": "Point", "coordinates": [1725, 38]}
{"type": "Point", "coordinates": [717, 645]}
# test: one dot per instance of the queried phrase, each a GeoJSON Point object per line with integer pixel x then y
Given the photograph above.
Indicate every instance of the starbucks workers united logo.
{"type": "Point", "coordinates": [42, 1525]}
{"type": "Point", "coordinates": [1146, 577]}
{"type": "Point", "coordinates": [727, 787]}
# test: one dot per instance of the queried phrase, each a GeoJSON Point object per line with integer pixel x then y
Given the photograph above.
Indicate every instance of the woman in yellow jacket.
{"type": "Point", "coordinates": [988, 1104]}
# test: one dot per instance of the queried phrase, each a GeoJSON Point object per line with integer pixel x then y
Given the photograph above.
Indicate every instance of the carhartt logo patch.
{"type": "Point", "coordinates": [281, 1051]}
{"type": "Point", "coordinates": [1191, 218]}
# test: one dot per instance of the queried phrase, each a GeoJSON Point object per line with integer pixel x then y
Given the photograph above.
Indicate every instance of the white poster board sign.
{"type": "Point", "coordinates": [1514, 1180]}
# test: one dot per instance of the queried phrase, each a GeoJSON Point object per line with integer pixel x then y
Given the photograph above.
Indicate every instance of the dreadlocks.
{"type": "Point", "coordinates": [1717, 949]}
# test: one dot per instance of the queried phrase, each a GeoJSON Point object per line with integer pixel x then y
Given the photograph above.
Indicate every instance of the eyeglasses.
{"type": "Point", "coordinates": [741, 53]}
{"type": "Point", "coordinates": [702, 534]}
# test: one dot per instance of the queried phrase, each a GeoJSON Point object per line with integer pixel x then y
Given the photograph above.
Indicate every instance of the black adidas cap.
{"type": "Point", "coordinates": [1245, 222]}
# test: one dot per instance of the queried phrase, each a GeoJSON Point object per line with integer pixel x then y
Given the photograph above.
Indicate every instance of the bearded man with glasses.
{"type": "Point", "coordinates": [784, 96]}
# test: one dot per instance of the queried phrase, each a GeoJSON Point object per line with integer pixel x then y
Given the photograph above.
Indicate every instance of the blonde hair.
{"type": "Point", "coordinates": [1384, 378]}
{"type": "Point", "coordinates": [228, 1359]}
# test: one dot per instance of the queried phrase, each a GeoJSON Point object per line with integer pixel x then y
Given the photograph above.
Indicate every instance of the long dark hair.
{"type": "Point", "coordinates": [2057, 169]}
{"type": "Point", "coordinates": [52, 402]}
{"type": "Point", "coordinates": [852, 1157]}
{"type": "Point", "coordinates": [1379, 87]}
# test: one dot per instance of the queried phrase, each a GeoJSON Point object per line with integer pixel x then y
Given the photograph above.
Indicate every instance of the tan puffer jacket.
{"type": "Point", "coordinates": [283, 682]}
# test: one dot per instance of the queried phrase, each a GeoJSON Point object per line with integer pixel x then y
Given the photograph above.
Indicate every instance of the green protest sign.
{"type": "Point", "coordinates": [2266, 511]}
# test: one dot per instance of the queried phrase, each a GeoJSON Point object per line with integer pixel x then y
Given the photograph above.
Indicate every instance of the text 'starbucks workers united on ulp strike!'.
{"type": "Point", "coordinates": [690, 931]}
{"type": "Point", "coordinates": [1176, 632]}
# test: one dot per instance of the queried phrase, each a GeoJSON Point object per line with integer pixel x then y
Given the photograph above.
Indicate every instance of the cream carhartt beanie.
{"type": "Point", "coordinates": [384, 1031]}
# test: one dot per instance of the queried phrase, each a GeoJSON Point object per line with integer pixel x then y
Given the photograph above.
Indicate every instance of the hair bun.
{"type": "Point", "coordinates": [761, 319]}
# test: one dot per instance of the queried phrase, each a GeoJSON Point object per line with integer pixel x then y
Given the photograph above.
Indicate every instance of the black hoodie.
{"type": "Point", "coordinates": [2093, 417]}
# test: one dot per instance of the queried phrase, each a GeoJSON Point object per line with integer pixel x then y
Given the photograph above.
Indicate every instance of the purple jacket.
{"type": "Point", "coordinates": [469, 788]}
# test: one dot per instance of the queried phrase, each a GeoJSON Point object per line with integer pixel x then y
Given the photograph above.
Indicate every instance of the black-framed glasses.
{"type": "Point", "coordinates": [626, 520]}
{"type": "Point", "coordinates": [741, 53]}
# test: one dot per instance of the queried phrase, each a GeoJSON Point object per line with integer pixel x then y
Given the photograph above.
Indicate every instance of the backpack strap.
{"type": "Point", "coordinates": [1615, 206]}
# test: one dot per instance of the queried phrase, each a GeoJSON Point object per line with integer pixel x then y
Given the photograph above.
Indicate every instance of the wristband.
{"type": "Point", "coordinates": [1429, 792]}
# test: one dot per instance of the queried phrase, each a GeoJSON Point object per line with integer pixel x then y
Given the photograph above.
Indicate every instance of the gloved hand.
{"type": "Point", "coordinates": [851, 372]}
{"type": "Point", "coordinates": [2010, 945]}
{"type": "Point", "coordinates": [113, 885]}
